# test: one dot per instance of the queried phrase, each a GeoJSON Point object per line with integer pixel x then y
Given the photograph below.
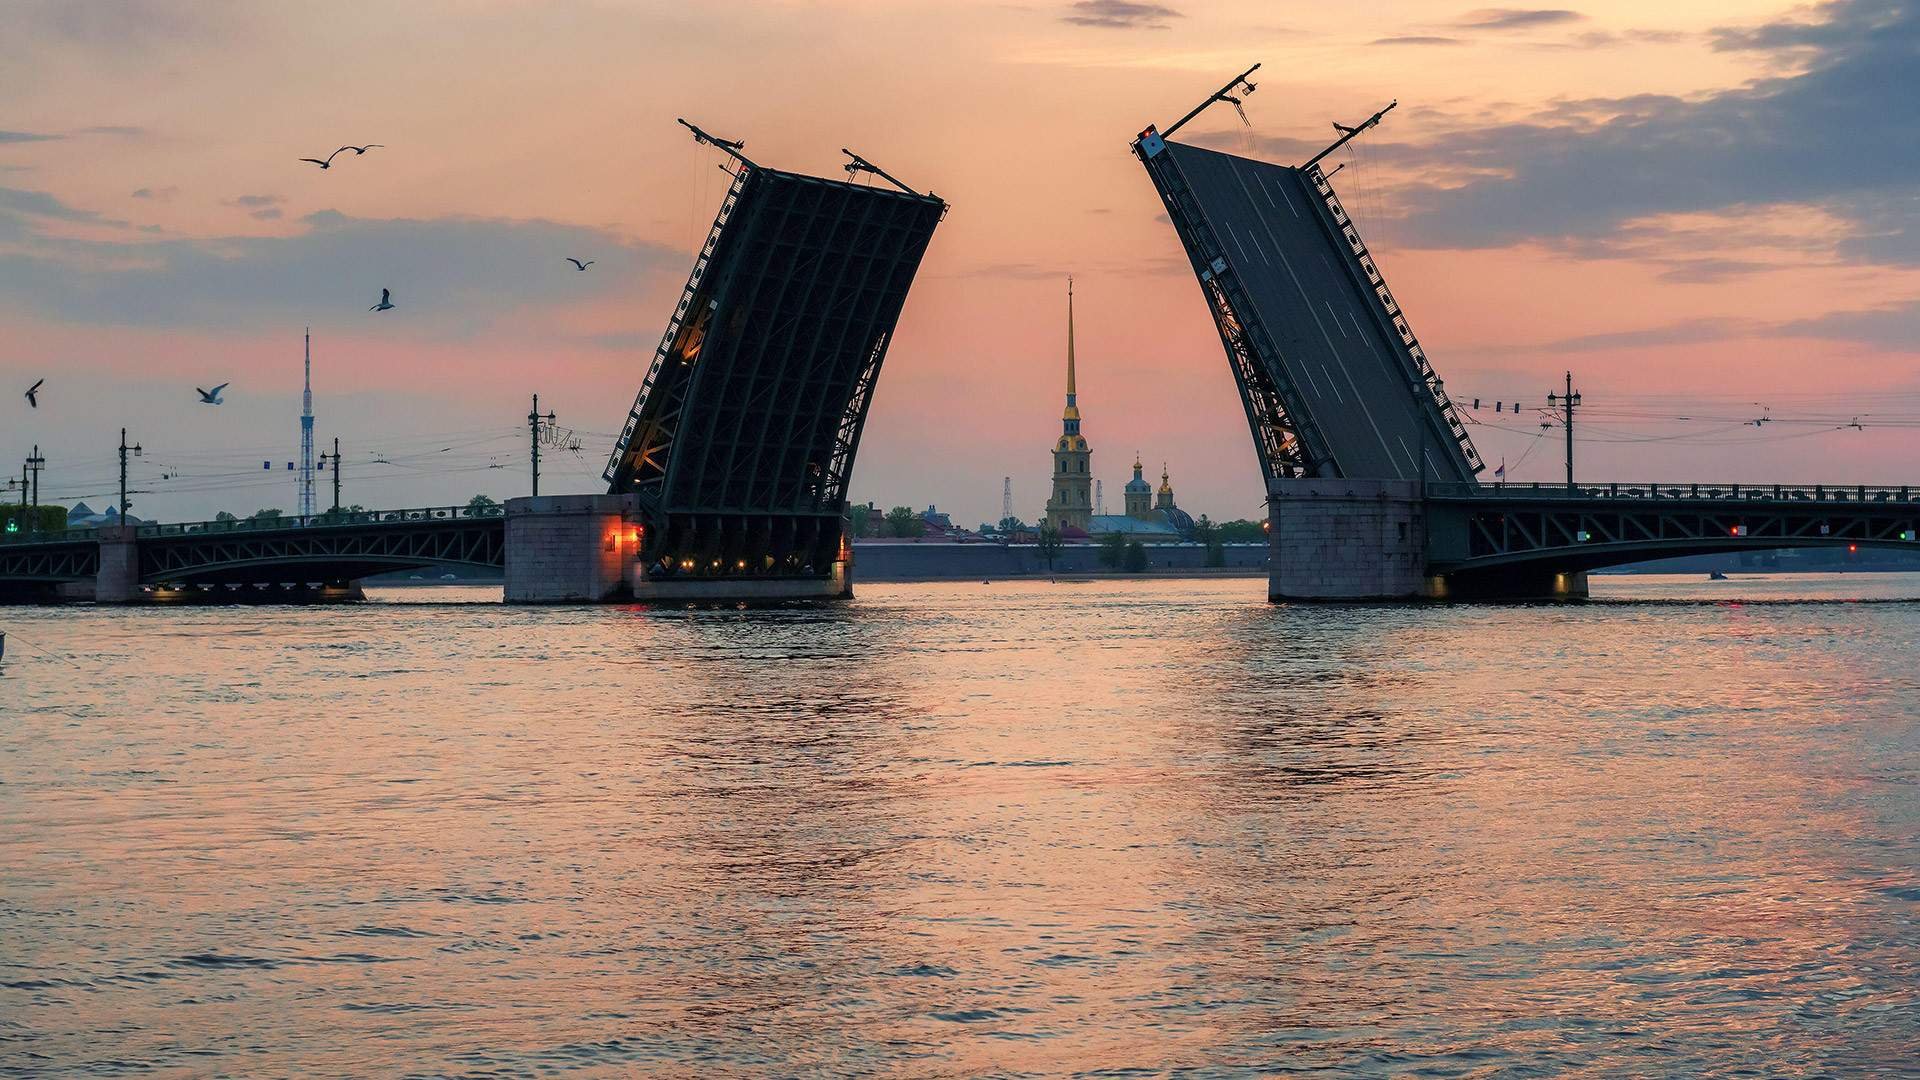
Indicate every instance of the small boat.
{"type": "Point", "coordinates": [1716, 576]}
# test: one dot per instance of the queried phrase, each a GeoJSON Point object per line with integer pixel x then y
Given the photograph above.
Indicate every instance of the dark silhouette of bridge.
{"type": "Point", "coordinates": [730, 476]}
{"type": "Point", "coordinates": [1371, 475]}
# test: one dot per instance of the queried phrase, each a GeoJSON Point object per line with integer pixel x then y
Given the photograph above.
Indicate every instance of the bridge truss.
{"type": "Point", "coordinates": [742, 439]}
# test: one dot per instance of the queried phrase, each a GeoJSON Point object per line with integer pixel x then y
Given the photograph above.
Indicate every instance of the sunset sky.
{"type": "Point", "coordinates": [1708, 209]}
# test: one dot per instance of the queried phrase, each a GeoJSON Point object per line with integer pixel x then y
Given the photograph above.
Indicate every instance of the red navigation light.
{"type": "Point", "coordinates": [1852, 548]}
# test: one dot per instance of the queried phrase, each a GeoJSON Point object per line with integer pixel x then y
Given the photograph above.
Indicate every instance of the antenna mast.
{"type": "Point", "coordinates": [1347, 134]}
{"type": "Point", "coordinates": [306, 433]}
{"type": "Point", "coordinates": [1222, 94]}
{"type": "Point", "coordinates": [1006, 498]}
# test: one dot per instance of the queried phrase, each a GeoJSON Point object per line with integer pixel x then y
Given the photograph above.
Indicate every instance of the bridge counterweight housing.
{"type": "Point", "coordinates": [740, 444]}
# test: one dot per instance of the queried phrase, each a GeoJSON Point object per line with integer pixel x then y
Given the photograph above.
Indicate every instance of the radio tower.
{"type": "Point", "coordinates": [1099, 498]}
{"type": "Point", "coordinates": [1006, 497]}
{"type": "Point", "coordinates": [306, 434]}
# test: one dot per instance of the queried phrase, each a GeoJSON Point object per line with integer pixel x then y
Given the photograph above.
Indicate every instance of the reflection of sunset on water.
{"type": "Point", "coordinates": [960, 828]}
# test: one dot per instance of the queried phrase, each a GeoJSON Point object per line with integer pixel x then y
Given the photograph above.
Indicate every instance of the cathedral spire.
{"type": "Point", "coordinates": [1072, 412]}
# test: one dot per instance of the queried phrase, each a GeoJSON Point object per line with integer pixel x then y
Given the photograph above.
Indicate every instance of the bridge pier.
{"type": "Point", "coordinates": [1379, 540]}
{"type": "Point", "coordinates": [592, 549]}
{"type": "Point", "coordinates": [1345, 540]}
{"type": "Point", "coordinates": [118, 580]}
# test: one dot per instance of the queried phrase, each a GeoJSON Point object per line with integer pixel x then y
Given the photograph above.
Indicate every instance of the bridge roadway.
{"type": "Point", "coordinates": [1460, 541]}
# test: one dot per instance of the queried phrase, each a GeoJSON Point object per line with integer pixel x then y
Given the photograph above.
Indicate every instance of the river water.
{"type": "Point", "coordinates": [963, 829]}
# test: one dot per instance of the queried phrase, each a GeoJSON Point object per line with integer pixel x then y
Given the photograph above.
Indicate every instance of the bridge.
{"type": "Point", "coordinates": [729, 479]}
{"type": "Point", "coordinates": [272, 559]}
{"type": "Point", "coordinates": [1371, 475]}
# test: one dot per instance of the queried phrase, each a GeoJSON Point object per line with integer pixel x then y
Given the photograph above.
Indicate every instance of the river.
{"type": "Point", "coordinates": [955, 829]}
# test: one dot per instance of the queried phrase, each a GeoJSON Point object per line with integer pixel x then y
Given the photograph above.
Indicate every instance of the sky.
{"type": "Point", "coordinates": [1707, 210]}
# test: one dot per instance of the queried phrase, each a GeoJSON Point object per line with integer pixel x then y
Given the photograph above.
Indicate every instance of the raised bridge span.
{"type": "Point", "coordinates": [729, 480]}
{"type": "Point", "coordinates": [1371, 475]}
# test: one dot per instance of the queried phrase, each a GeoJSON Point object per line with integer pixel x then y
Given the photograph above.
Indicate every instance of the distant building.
{"type": "Point", "coordinates": [1070, 510]}
{"type": "Point", "coordinates": [1150, 515]}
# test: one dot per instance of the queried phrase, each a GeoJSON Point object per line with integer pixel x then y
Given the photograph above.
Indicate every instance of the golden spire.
{"type": "Point", "coordinates": [1166, 483]}
{"type": "Point", "coordinates": [1072, 411]}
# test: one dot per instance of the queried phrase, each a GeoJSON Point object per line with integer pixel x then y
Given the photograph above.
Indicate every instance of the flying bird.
{"type": "Point", "coordinates": [386, 301]}
{"type": "Point", "coordinates": [211, 397]}
{"type": "Point", "coordinates": [33, 394]}
{"type": "Point", "coordinates": [328, 164]}
{"type": "Point", "coordinates": [577, 264]}
{"type": "Point", "coordinates": [358, 150]}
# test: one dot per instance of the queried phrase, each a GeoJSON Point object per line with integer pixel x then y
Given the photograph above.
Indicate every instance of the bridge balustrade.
{"type": "Point", "coordinates": [1648, 491]}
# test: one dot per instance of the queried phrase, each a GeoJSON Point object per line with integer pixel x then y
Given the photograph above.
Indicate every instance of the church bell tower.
{"type": "Point", "coordinates": [1072, 501]}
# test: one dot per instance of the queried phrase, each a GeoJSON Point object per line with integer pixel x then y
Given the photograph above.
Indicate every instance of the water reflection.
{"type": "Point", "coordinates": [960, 830]}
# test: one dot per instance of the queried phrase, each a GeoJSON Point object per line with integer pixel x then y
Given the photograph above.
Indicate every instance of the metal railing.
{"type": "Point", "coordinates": [1650, 491]}
{"type": "Point", "coordinates": [285, 522]}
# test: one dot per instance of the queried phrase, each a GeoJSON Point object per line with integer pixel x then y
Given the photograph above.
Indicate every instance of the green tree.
{"type": "Point", "coordinates": [859, 517]}
{"type": "Point", "coordinates": [482, 506]}
{"type": "Point", "coordinates": [904, 523]}
{"type": "Point", "coordinates": [1113, 550]}
{"type": "Point", "coordinates": [1136, 561]}
{"type": "Point", "coordinates": [1206, 532]}
{"type": "Point", "coordinates": [1012, 524]}
{"type": "Point", "coordinates": [224, 516]}
{"type": "Point", "coordinates": [1242, 531]}
{"type": "Point", "coordinates": [264, 516]}
{"type": "Point", "coordinates": [1049, 544]}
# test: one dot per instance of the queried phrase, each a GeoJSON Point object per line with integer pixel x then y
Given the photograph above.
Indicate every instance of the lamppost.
{"type": "Point", "coordinates": [124, 503]}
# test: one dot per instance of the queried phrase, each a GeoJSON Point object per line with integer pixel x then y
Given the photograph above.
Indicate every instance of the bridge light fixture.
{"type": "Point", "coordinates": [1583, 536]}
{"type": "Point", "coordinates": [1737, 530]}
{"type": "Point", "coordinates": [1907, 535]}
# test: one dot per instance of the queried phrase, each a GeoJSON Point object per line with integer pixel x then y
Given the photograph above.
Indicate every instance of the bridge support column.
{"type": "Point", "coordinates": [572, 549]}
{"type": "Point", "coordinates": [1346, 540]}
{"type": "Point", "coordinates": [118, 580]}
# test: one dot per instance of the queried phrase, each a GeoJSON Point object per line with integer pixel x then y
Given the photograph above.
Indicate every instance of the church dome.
{"type": "Point", "coordinates": [1138, 485]}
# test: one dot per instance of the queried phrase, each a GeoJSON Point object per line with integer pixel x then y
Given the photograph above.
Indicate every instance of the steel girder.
{"type": "Point", "coordinates": [297, 554]}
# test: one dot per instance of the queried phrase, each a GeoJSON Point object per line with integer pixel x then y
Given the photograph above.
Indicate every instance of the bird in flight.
{"type": "Point", "coordinates": [328, 163]}
{"type": "Point", "coordinates": [386, 301]}
{"type": "Point", "coordinates": [577, 264]}
{"type": "Point", "coordinates": [211, 397]}
{"type": "Point", "coordinates": [358, 150]}
{"type": "Point", "coordinates": [33, 394]}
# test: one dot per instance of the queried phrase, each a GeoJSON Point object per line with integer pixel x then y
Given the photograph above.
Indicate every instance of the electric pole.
{"type": "Point", "coordinates": [534, 422]}
{"type": "Point", "coordinates": [36, 463]}
{"type": "Point", "coordinates": [1567, 403]}
{"type": "Point", "coordinates": [124, 503]}
{"type": "Point", "coordinates": [335, 458]}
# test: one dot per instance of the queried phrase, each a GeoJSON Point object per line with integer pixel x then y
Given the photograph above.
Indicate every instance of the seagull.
{"type": "Point", "coordinates": [386, 301]}
{"type": "Point", "coordinates": [211, 397]}
{"type": "Point", "coordinates": [328, 164]}
{"type": "Point", "coordinates": [577, 264]}
{"type": "Point", "coordinates": [358, 150]}
{"type": "Point", "coordinates": [33, 394]}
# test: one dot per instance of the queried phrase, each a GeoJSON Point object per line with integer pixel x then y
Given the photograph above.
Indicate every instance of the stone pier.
{"type": "Point", "coordinates": [1379, 540]}
{"type": "Point", "coordinates": [1350, 540]}
{"type": "Point", "coordinates": [590, 549]}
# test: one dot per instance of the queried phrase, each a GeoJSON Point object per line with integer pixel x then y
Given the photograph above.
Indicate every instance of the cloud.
{"type": "Point", "coordinates": [271, 213]}
{"type": "Point", "coordinates": [1893, 327]}
{"type": "Point", "coordinates": [1829, 134]}
{"type": "Point", "coordinates": [156, 194]}
{"type": "Point", "coordinates": [1119, 15]}
{"type": "Point", "coordinates": [452, 277]}
{"type": "Point", "coordinates": [116, 130]}
{"type": "Point", "coordinates": [253, 201]}
{"type": "Point", "coordinates": [25, 136]}
{"type": "Point", "coordinates": [1516, 18]}
{"type": "Point", "coordinates": [1416, 39]}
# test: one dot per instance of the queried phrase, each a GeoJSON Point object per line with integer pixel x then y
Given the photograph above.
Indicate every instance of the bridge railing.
{"type": "Point", "coordinates": [342, 518]}
{"type": "Point", "coordinates": [1652, 491]}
